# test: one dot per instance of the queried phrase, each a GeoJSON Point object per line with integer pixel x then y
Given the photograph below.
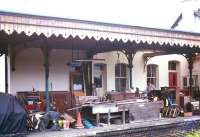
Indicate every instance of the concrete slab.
{"type": "Point", "coordinates": [111, 128]}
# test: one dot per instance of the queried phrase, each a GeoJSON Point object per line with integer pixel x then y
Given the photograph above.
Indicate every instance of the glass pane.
{"type": "Point", "coordinates": [154, 81]}
{"type": "Point", "coordinates": [172, 65]}
{"type": "Point", "coordinates": [98, 75]}
{"type": "Point", "coordinates": [117, 70]}
{"type": "Point", "coordinates": [77, 82]}
{"type": "Point", "coordinates": [123, 70]}
{"type": "Point", "coordinates": [117, 84]}
{"type": "Point", "coordinates": [153, 71]}
{"type": "Point", "coordinates": [98, 81]}
{"type": "Point", "coordinates": [195, 80]}
{"type": "Point", "coordinates": [149, 71]}
{"type": "Point", "coordinates": [123, 84]}
{"type": "Point", "coordinates": [185, 81]}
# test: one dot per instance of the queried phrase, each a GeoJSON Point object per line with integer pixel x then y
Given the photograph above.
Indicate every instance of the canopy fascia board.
{"type": "Point", "coordinates": [48, 26]}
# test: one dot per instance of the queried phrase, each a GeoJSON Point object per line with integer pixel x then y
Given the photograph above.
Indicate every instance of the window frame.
{"type": "Point", "coordinates": [152, 76]}
{"type": "Point", "coordinates": [121, 77]}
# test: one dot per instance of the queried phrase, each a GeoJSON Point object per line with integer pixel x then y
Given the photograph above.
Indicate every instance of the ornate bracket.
{"type": "Point", "coordinates": [146, 59]}
{"type": "Point", "coordinates": [46, 53]}
{"type": "Point", "coordinates": [148, 56]}
{"type": "Point", "coordinates": [129, 55]}
{"type": "Point", "coordinates": [190, 59]}
{"type": "Point", "coordinates": [14, 51]}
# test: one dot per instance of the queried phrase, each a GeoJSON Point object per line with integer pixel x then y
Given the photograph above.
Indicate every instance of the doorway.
{"type": "Point", "coordinates": [173, 67]}
{"type": "Point", "coordinates": [172, 79]}
{"type": "Point", "coordinates": [100, 80]}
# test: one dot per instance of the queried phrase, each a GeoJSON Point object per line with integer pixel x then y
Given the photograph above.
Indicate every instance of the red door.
{"type": "Point", "coordinates": [173, 79]}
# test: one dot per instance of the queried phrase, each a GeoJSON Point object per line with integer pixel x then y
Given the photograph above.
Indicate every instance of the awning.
{"type": "Point", "coordinates": [48, 26]}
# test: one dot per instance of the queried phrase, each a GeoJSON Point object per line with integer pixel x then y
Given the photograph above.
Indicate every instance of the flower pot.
{"type": "Point", "coordinates": [187, 114]}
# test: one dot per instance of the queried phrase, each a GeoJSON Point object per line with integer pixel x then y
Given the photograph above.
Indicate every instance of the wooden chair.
{"type": "Point", "coordinates": [172, 110]}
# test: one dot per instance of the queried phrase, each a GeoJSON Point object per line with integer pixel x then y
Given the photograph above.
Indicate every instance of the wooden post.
{"type": "Point", "coordinates": [124, 116]}
{"type": "Point", "coordinates": [177, 96]}
{"type": "Point", "coordinates": [97, 119]}
{"type": "Point", "coordinates": [108, 120]}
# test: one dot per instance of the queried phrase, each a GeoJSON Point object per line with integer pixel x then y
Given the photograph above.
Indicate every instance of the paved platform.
{"type": "Point", "coordinates": [115, 128]}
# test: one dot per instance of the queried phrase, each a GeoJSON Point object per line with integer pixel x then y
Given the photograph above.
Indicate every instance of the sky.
{"type": "Point", "coordinates": [147, 13]}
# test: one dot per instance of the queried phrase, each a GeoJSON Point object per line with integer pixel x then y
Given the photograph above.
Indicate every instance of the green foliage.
{"type": "Point", "coordinates": [195, 133]}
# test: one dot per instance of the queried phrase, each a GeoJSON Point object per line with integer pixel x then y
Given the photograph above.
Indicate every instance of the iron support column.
{"type": "Point", "coordinates": [130, 66]}
{"type": "Point", "coordinates": [130, 56]}
{"type": "Point", "coordinates": [46, 69]}
{"type": "Point", "coordinates": [190, 58]}
{"type": "Point", "coordinates": [190, 67]}
{"type": "Point", "coordinates": [6, 71]}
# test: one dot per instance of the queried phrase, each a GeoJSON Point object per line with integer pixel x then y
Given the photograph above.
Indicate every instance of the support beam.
{"type": "Point", "coordinates": [46, 51]}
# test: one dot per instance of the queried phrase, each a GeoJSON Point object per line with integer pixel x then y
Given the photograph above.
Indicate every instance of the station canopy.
{"type": "Point", "coordinates": [29, 25]}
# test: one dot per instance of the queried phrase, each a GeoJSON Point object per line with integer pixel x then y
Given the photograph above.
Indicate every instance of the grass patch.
{"type": "Point", "coordinates": [195, 133]}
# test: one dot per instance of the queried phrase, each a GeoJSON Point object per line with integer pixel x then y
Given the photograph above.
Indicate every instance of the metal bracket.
{"type": "Point", "coordinates": [148, 56]}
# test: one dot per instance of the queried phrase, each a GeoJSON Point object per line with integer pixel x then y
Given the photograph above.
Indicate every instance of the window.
{"type": "Point", "coordinates": [184, 81]}
{"type": "Point", "coordinates": [98, 75]}
{"type": "Point", "coordinates": [120, 77]}
{"type": "Point", "coordinates": [152, 74]}
{"type": "Point", "coordinates": [172, 65]}
{"type": "Point", "coordinates": [194, 81]}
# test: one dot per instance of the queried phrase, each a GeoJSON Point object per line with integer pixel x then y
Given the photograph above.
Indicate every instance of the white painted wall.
{"type": "Point", "coordinates": [162, 62]}
{"type": "Point", "coordinates": [139, 73]}
{"type": "Point", "coordinates": [2, 73]}
{"type": "Point", "coordinates": [29, 71]}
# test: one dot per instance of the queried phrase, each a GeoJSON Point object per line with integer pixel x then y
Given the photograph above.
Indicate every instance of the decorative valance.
{"type": "Point", "coordinates": [30, 24]}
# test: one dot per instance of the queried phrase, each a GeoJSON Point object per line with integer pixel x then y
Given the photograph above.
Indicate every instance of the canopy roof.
{"type": "Point", "coordinates": [49, 26]}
